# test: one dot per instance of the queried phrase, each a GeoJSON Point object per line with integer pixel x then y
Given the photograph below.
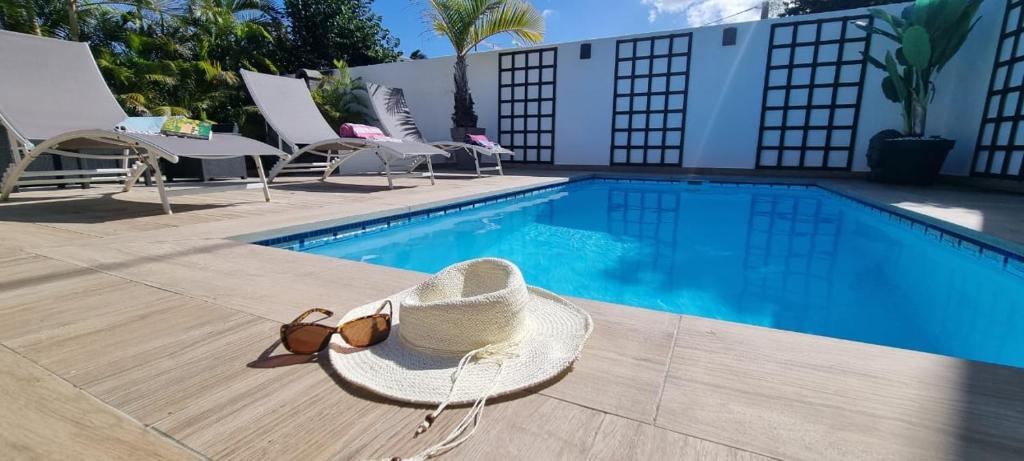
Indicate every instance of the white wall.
{"type": "Point", "coordinates": [725, 94]}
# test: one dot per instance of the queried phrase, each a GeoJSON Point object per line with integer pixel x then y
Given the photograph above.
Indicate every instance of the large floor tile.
{"type": "Point", "coordinates": [621, 438]}
{"type": "Point", "coordinates": [268, 282]}
{"type": "Point", "coordinates": [31, 279]}
{"type": "Point", "coordinates": [188, 370]}
{"type": "Point", "coordinates": [296, 412]}
{"type": "Point", "coordinates": [149, 327]}
{"type": "Point", "coordinates": [795, 396]}
{"type": "Point", "coordinates": [623, 365]}
{"type": "Point", "coordinates": [44, 417]}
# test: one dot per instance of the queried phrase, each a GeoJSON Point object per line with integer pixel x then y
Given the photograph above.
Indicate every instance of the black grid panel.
{"type": "Point", "coordinates": [526, 104]}
{"type": "Point", "coordinates": [1000, 149]}
{"type": "Point", "coordinates": [652, 79]}
{"type": "Point", "coordinates": [813, 84]}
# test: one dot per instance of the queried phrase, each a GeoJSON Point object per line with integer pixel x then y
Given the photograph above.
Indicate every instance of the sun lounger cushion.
{"type": "Point", "coordinates": [355, 130]}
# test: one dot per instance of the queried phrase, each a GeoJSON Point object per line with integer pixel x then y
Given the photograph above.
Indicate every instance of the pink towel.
{"type": "Point", "coordinates": [481, 140]}
{"type": "Point", "coordinates": [355, 130]}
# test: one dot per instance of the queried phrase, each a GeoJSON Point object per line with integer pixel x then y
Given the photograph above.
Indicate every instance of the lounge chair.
{"type": "Point", "coordinates": [54, 101]}
{"type": "Point", "coordinates": [288, 108]}
{"type": "Point", "coordinates": [396, 120]}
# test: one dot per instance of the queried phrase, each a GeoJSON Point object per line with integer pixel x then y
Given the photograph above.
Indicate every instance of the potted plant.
{"type": "Point", "coordinates": [928, 34]}
{"type": "Point", "coordinates": [467, 24]}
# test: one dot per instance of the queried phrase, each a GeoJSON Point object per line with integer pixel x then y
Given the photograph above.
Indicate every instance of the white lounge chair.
{"type": "Point", "coordinates": [54, 101]}
{"type": "Point", "coordinates": [396, 120]}
{"type": "Point", "coordinates": [288, 108]}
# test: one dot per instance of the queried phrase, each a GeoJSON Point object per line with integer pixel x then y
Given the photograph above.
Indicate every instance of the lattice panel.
{"type": "Point", "coordinates": [526, 104]}
{"type": "Point", "coordinates": [1000, 149]}
{"type": "Point", "coordinates": [652, 79]}
{"type": "Point", "coordinates": [812, 93]}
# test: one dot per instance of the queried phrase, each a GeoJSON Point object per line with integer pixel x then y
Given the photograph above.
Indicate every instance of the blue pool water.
{"type": "Point", "coordinates": [800, 259]}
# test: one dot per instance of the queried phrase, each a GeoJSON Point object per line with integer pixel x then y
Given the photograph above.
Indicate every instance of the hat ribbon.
{"type": "Point", "coordinates": [497, 353]}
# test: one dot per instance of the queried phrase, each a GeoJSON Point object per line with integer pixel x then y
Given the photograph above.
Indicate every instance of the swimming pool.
{"type": "Point", "coordinates": [797, 258]}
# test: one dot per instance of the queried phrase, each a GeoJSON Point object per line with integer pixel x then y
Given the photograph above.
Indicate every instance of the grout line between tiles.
{"type": "Point", "coordinates": [668, 368]}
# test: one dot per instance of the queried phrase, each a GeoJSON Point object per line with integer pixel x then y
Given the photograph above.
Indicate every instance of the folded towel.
{"type": "Point", "coordinates": [355, 130]}
{"type": "Point", "coordinates": [141, 125]}
{"type": "Point", "coordinates": [482, 141]}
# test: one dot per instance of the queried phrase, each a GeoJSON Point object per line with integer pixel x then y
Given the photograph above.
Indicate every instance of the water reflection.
{"type": "Point", "coordinates": [789, 258]}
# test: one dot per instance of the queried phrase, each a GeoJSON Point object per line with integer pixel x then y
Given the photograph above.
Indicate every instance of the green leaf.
{"type": "Point", "coordinates": [889, 90]}
{"type": "Point", "coordinates": [908, 13]}
{"type": "Point", "coordinates": [917, 46]}
{"type": "Point", "coordinates": [897, 80]}
{"type": "Point", "coordinates": [874, 61]}
{"type": "Point", "coordinates": [923, 10]}
{"type": "Point", "coordinates": [956, 35]}
{"type": "Point", "coordinates": [895, 23]}
{"type": "Point", "coordinates": [901, 58]}
{"type": "Point", "coordinates": [875, 30]}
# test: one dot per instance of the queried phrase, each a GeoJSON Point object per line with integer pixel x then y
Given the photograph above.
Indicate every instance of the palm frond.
{"type": "Point", "coordinates": [467, 23]}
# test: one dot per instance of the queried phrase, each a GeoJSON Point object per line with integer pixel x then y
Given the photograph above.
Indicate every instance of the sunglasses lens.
{"type": "Point", "coordinates": [366, 332]}
{"type": "Point", "coordinates": [306, 339]}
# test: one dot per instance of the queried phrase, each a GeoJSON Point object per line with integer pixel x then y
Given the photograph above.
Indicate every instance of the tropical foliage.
{"type": "Point", "coordinates": [182, 56]}
{"type": "Point", "coordinates": [467, 24]}
{"type": "Point", "coordinates": [343, 99]}
{"type": "Point", "coordinates": [323, 31]}
{"type": "Point", "coordinates": [928, 34]}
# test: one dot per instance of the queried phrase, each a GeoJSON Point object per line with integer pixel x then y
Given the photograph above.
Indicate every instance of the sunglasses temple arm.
{"type": "Point", "coordinates": [387, 304]}
{"type": "Point", "coordinates": [310, 312]}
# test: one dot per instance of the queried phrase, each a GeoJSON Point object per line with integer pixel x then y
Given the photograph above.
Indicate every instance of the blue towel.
{"type": "Point", "coordinates": [141, 125]}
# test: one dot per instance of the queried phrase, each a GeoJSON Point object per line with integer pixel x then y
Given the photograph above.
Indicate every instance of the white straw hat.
{"type": "Point", "coordinates": [473, 331]}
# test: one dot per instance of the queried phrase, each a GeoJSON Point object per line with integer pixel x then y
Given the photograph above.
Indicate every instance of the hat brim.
{"type": "Point", "coordinates": [552, 340]}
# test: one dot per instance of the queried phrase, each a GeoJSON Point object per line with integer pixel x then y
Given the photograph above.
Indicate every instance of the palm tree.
{"type": "Point", "coordinates": [77, 8]}
{"type": "Point", "coordinates": [467, 23]}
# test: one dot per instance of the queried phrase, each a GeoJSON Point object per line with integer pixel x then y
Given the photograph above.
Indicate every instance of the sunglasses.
{"type": "Point", "coordinates": [309, 338]}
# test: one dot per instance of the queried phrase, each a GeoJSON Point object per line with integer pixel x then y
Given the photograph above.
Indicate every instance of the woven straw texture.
{"type": "Point", "coordinates": [465, 307]}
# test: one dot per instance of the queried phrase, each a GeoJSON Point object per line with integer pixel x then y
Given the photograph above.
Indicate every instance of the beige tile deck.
{"type": "Point", "coordinates": [794, 396]}
{"type": "Point", "coordinates": [46, 418]}
{"type": "Point", "coordinates": [167, 327]}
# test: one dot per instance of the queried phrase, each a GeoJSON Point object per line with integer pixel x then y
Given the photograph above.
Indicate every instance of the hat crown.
{"type": "Point", "coordinates": [465, 307]}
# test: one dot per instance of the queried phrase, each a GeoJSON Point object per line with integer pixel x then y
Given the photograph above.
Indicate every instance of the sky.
{"type": "Point", "coordinates": [571, 20]}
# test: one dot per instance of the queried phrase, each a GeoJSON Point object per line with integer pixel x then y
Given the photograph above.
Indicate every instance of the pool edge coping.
{"type": "Point", "coordinates": [258, 237]}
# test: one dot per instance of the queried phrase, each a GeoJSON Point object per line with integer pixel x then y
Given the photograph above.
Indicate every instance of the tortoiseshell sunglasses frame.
{"type": "Point", "coordinates": [298, 322]}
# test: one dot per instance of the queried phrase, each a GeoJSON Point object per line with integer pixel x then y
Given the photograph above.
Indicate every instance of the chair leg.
{"type": "Point", "coordinates": [387, 171]}
{"type": "Point", "coordinates": [263, 177]}
{"type": "Point", "coordinates": [328, 170]}
{"type": "Point", "coordinates": [476, 162]}
{"type": "Point", "coordinates": [279, 167]}
{"type": "Point", "coordinates": [125, 162]}
{"type": "Point", "coordinates": [13, 173]}
{"type": "Point", "coordinates": [159, 177]}
{"type": "Point", "coordinates": [140, 168]}
{"type": "Point", "coordinates": [430, 168]}
{"type": "Point", "coordinates": [501, 171]}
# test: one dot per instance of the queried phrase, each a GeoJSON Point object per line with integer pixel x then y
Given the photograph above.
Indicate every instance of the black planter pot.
{"type": "Point", "coordinates": [463, 160]}
{"type": "Point", "coordinates": [898, 160]}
